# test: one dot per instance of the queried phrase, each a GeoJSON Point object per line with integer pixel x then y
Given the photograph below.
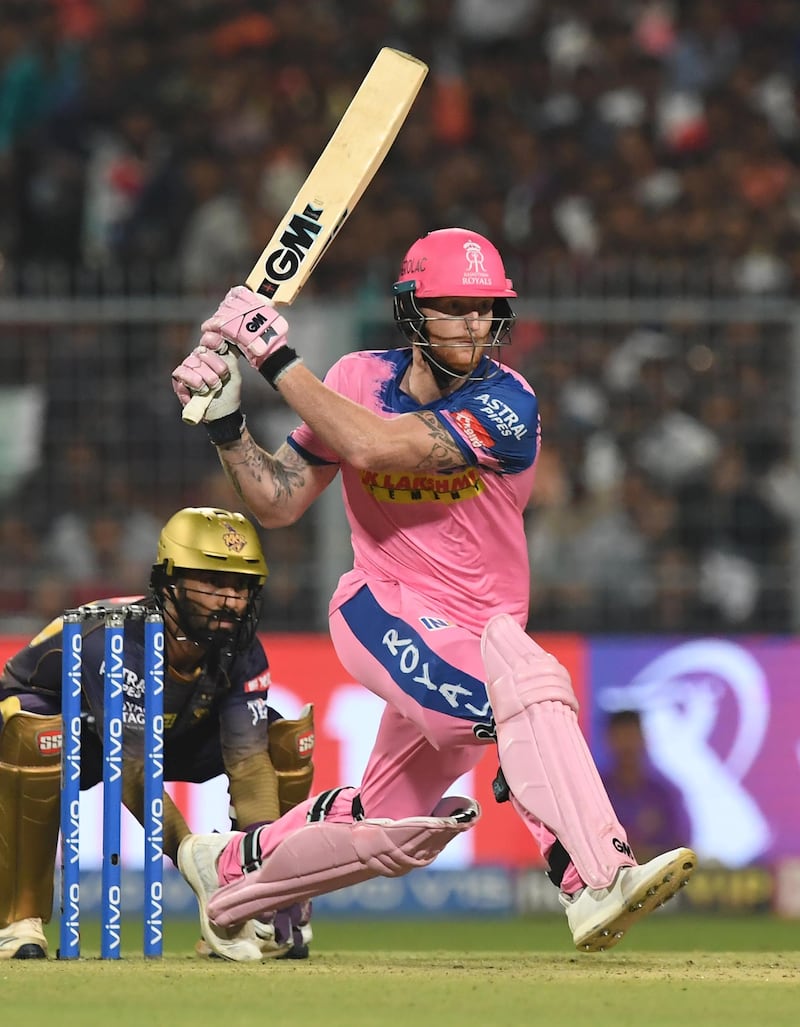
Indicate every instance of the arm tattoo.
{"type": "Point", "coordinates": [246, 463]}
{"type": "Point", "coordinates": [444, 453]}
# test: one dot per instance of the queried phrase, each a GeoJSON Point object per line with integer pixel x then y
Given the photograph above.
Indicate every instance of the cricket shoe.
{"type": "Point", "coordinates": [285, 936]}
{"type": "Point", "coordinates": [24, 939]}
{"type": "Point", "coordinates": [600, 917]}
{"type": "Point", "coordinates": [249, 942]}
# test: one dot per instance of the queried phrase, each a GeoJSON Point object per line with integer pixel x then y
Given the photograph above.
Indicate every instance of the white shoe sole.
{"type": "Point", "coordinates": [23, 939]}
{"type": "Point", "coordinates": [197, 859]}
{"type": "Point", "coordinates": [25, 950]}
{"type": "Point", "coordinates": [204, 951]}
{"type": "Point", "coordinates": [651, 892]}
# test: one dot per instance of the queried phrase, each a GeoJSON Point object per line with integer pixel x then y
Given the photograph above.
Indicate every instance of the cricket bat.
{"type": "Point", "coordinates": [334, 185]}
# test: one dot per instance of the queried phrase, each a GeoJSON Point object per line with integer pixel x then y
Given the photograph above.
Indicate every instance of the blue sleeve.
{"type": "Point", "coordinates": [495, 424]}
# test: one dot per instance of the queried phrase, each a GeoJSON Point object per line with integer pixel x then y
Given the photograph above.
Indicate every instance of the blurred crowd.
{"type": "Point", "coordinates": [668, 490]}
{"type": "Point", "coordinates": [586, 131]}
{"type": "Point", "coordinates": [608, 147]}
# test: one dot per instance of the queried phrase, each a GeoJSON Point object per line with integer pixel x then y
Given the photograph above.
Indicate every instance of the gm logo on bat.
{"type": "Point", "coordinates": [283, 264]}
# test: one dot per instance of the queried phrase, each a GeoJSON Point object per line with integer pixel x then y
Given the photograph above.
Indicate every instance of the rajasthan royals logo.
{"type": "Point", "coordinates": [475, 265]}
{"type": "Point", "coordinates": [475, 272]}
{"type": "Point", "coordinates": [233, 539]}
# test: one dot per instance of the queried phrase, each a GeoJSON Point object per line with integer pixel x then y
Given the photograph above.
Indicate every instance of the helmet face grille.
{"type": "Point", "coordinates": [221, 630]}
{"type": "Point", "coordinates": [412, 324]}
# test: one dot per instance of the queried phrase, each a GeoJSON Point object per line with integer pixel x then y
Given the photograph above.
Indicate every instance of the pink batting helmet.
{"type": "Point", "coordinates": [451, 262]}
{"type": "Point", "coordinates": [454, 262]}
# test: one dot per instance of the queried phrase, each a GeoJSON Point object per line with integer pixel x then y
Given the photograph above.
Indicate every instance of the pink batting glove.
{"type": "Point", "coordinates": [250, 322]}
{"type": "Point", "coordinates": [203, 371]}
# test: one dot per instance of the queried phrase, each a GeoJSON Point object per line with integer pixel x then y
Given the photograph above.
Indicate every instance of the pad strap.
{"type": "Point", "coordinates": [322, 804]}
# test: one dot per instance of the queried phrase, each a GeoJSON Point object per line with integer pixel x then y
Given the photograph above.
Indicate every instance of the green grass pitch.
{"type": "Point", "coordinates": [673, 971]}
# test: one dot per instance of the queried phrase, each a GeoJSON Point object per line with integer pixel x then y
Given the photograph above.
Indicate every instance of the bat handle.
{"type": "Point", "coordinates": [195, 409]}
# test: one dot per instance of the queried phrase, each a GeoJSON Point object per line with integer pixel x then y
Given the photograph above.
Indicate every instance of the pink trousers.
{"type": "Point", "coordinates": [419, 750]}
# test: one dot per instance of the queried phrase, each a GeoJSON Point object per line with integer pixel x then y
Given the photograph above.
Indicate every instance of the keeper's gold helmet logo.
{"type": "Point", "coordinates": [233, 539]}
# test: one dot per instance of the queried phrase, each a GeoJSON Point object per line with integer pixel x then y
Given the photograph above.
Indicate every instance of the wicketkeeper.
{"type": "Point", "coordinates": [207, 583]}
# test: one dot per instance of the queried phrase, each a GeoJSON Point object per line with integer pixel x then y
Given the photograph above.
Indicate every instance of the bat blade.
{"type": "Point", "coordinates": [334, 185]}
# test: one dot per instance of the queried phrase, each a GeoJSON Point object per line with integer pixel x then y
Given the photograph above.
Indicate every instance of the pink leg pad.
{"type": "Point", "coordinates": [324, 856]}
{"type": "Point", "coordinates": [545, 839]}
{"type": "Point", "coordinates": [543, 754]}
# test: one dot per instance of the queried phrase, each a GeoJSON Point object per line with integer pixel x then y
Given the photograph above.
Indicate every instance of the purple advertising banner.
{"type": "Point", "coordinates": [721, 722]}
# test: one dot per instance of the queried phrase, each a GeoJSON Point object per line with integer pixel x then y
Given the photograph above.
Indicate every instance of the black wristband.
{"type": "Point", "coordinates": [226, 429]}
{"type": "Point", "coordinates": [277, 362]}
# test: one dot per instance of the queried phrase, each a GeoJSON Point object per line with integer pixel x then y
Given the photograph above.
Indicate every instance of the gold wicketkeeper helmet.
{"type": "Point", "coordinates": [206, 539]}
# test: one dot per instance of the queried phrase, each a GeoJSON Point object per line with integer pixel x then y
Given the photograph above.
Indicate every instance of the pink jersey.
{"type": "Point", "coordinates": [456, 538]}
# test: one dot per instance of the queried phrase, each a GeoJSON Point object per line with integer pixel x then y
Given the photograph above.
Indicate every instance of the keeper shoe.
{"type": "Point", "coordinates": [600, 917]}
{"type": "Point", "coordinates": [250, 942]}
{"type": "Point", "coordinates": [24, 939]}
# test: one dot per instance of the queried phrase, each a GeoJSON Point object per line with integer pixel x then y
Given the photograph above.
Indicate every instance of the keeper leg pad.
{"type": "Point", "coordinates": [543, 754]}
{"type": "Point", "coordinates": [323, 857]}
{"type": "Point", "coordinates": [291, 748]}
{"type": "Point", "coordinates": [30, 773]}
